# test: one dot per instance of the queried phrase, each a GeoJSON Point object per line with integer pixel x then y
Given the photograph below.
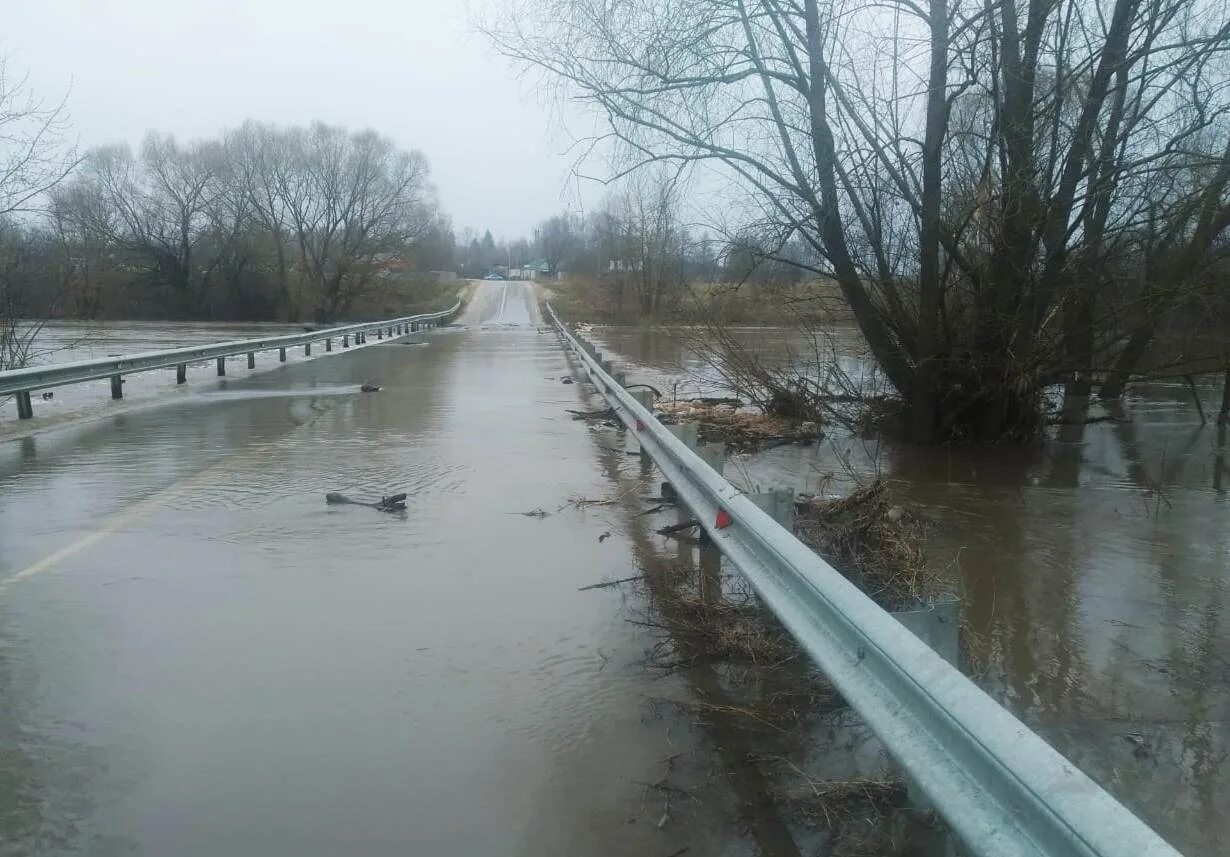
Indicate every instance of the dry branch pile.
{"type": "Point", "coordinates": [742, 429]}
{"type": "Point", "coordinates": [872, 542]}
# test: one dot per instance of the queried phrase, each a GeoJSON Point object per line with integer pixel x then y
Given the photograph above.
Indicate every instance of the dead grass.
{"type": "Point", "coordinates": [828, 803]}
{"type": "Point", "coordinates": [873, 542]}
{"type": "Point", "coordinates": [718, 630]}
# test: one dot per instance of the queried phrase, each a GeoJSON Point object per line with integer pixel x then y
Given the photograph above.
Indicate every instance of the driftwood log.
{"type": "Point", "coordinates": [395, 503]}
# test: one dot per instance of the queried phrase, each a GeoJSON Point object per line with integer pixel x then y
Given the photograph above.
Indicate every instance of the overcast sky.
{"type": "Point", "coordinates": [411, 69]}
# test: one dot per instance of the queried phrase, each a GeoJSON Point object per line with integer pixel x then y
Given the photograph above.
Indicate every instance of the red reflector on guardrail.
{"type": "Point", "coordinates": [723, 519]}
{"type": "Point", "coordinates": [640, 425]}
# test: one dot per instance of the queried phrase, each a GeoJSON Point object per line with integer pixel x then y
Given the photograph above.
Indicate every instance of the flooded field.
{"type": "Point", "coordinates": [1093, 569]}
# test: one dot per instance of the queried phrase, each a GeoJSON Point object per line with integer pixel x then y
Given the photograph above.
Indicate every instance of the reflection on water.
{"type": "Point", "coordinates": [198, 656]}
{"type": "Point", "coordinates": [1094, 571]}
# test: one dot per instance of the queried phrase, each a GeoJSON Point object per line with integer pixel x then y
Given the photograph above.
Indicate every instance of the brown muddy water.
{"type": "Point", "coordinates": [1093, 568]}
{"type": "Point", "coordinates": [199, 657]}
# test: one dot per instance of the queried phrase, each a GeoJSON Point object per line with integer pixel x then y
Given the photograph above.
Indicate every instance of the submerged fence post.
{"type": "Point", "coordinates": [251, 359]}
{"type": "Point", "coordinates": [221, 366]}
{"type": "Point", "coordinates": [117, 387]}
{"type": "Point", "coordinates": [328, 345]}
{"type": "Point", "coordinates": [25, 410]}
{"type": "Point", "coordinates": [346, 340]}
{"type": "Point", "coordinates": [307, 349]}
{"type": "Point", "coordinates": [181, 373]}
{"type": "Point", "coordinates": [281, 355]}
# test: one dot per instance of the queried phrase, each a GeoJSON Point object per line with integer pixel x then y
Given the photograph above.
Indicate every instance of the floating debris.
{"type": "Point", "coordinates": [742, 429]}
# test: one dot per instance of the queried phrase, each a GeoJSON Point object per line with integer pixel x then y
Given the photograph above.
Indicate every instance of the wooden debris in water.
{"type": "Point", "coordinates": [742, 429]}
{"type": "Point", "coordinates": [872, 541]}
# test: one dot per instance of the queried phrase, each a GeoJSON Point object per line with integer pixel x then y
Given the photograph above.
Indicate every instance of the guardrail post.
{"type": "Point", "coordinates": [380, 333]}
{"type": "Point", "coordinates": [117, 387]}
{"type": "Point", "coordinates": [593, 376]}
{"type": "Point", "coordinates": [937, 623]}
{"type": "Point", "coordinates": [686, 432]}
{"type": "Point", "coordinates": [710, 582]}
{"type": "Point", "coordinates": [251, 359]}
{"type": "Point", "coordinates": [346, 340]}
{"type": "Point", "coordinates": [307, 349]}
{"type": "Point", "coordinates": [778, 505]}
{"type": "Point", "coordinates": [181, 373]}
{"type": "Point", "coordinates": [328, 345]}
{"type": "Point", "coordinates": [281, 355]}
{"type": "Point", "coordinates": [645, 397]}
{"type": "Point", "coordinates": [221, 366]}
{"type": "Point", "coordinates": [25, 410]}
{"type": "Point", "coordinates": [713, 454]}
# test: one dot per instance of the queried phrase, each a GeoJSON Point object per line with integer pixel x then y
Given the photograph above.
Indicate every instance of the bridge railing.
{"type": "Point", "coordinates": [22, 382]}
{"type": "Point", "coordinates": [1002, 789]}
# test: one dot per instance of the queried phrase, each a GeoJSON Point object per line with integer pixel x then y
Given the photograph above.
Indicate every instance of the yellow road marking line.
{"type": "Point", "coordinates": [116, 523]}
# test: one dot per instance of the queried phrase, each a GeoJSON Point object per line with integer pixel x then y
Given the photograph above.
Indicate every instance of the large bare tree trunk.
{"type": "Point", "coordinates": [925, 403]}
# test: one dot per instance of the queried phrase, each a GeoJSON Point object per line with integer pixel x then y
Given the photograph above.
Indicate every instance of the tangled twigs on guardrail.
{"type": "Point", "coordinates": [741, 429]}
{"type": "Point", "coordinates": [872, 541]}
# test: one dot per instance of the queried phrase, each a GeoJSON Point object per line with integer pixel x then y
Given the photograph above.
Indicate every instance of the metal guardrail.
{"type": "Point", "coordinates": [1001, 788]}
{"type": "Point", "coordinates": [22, 382]}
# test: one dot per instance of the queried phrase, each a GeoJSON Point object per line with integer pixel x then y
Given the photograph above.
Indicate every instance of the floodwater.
{"type": "Point", "coordinates": [199, 657]}
{"type": "Point", "coordinates": [1093, 568]}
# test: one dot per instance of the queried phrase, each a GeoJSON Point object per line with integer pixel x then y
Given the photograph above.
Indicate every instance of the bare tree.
{"type": "Point", "coordinates": [34, 158]}
{"type": "Point", "coordinates": [350, 197]}
{"type": "Point", "coordinates": [210, 224]}
{"type": "Point", "coordinates": [260, 161]}
{"type": "Point", "coordinates": [557, 240]}
{"type": "Point", "coordinates": [153, 209]}
{"type": "Point", "coordinates": [643, 238]}
{"type": "Point", "coordinates": [1008, 193]}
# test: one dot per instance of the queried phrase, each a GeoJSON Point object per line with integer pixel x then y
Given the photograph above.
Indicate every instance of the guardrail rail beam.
{"type": "Point", "coordinates": [1004, 791]}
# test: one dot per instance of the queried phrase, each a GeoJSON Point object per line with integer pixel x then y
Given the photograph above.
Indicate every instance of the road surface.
{"type": "Point", "coordinates": [199, 657]}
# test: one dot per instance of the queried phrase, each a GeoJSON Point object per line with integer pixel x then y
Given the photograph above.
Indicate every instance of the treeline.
{"type": "Point", "coordinates": [637, 253]}
{"type": "Point", "coordinates": [262, 223]}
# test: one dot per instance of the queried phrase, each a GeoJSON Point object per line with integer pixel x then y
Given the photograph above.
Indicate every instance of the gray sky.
{"type": "Point", "coordinates": [411, 69]}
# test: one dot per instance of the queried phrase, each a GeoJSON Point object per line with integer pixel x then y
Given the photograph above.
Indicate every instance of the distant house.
{"type": "Point", "coordinates": [615, 265]}
{"type": "Point", "coordinates": [538, 270]}
{"type": "Point", "coordinates": [385, 264]}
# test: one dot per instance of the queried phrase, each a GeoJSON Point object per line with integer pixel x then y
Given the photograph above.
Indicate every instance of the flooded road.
{"type": "Point", "coordinates": [199, 657]}
{"type": "Point", "coordinates": [1094, 568]}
